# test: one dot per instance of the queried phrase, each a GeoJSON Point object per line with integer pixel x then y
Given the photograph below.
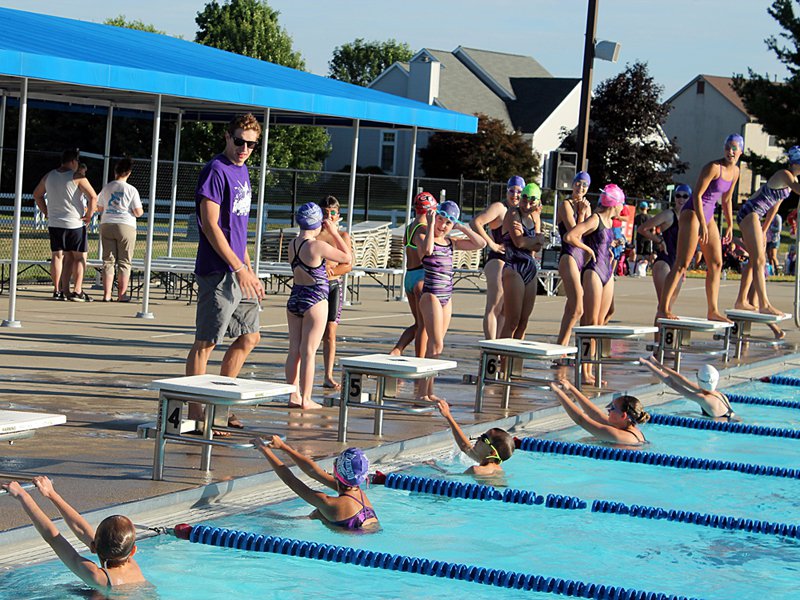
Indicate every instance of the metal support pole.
{"type": "Point", "coordinates": [12, 281]}
{"type": "Point", "coordinates": [3, 105]}
{"type": "Point", "coordinates": [151, 215]}
{"type": "Point", "coordinates": [104, 180]}
{"type": "Point", "coordinates": [351, 198]}
{"type": "Point", "coordinates": [366, 197]}
{"type": "Point", "coordinates": [174, 192]}
{"type": "Point", "coordinates": [294, 197]}
{"type": "Point", "coordinates": [262, 184]}
{"type": "Point", "coordinates": [412, 163]}
{"type": "Point", "coordinates": [586, 86]}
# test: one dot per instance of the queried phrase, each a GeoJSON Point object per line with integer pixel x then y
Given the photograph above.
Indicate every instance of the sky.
{"type": "Point", "coordinates": [679, 39]}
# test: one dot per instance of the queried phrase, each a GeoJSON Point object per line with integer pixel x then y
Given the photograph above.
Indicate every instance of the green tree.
{"type": "Point", "coordinates": [360, 62]}
{"type": "Point", "coordinates": [491, 154]}
{"type": "Point", "coordinates": [122, 21]}
{"type": "Point", "coordinates": [627, 145]}
{"type": "Point", "coordinates": [251, 28]}
{"type": "Point", "coordinates": [774, 105]}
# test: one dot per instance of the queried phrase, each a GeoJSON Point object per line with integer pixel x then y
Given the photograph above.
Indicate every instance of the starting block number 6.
{"type": "Point", "coordinates": [491, 366]}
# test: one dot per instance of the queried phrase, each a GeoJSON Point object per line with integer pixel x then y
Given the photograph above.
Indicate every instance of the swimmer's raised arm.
{"type": "Point", "coordinates": [458, 435]}
{"type": "Point", "coordinates": [590, 407]}
{"type": "Point", "coordinates": [304, 463]}
{"type": "Point", "coordinates": [79, 526]}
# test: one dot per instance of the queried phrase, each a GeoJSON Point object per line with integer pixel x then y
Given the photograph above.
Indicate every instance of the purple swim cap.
{"type": "Point", "coordinates": [309, 216]}
{"type": "Point", "coordinates": [794, 155]}
{"type": "Point", "coordinates": [515, 180]}
{"type": "Point", "coordinates": [612, 195]}
{"type": "Point", "coordinates": [351, 467]}
{"type": "Point", "coordinates": [449, 210]}
{"type": "Point", "coordinates": [735, 138]}
{"type": "Point", "coordinates": [582, 176]}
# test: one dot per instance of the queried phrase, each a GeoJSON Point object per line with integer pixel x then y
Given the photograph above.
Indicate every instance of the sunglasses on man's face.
{"type": "Point", "coordinates": [237, 141]}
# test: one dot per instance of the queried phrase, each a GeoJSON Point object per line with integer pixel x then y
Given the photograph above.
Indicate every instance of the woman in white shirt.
{"type": "Point", "coordinates": [120, 204]}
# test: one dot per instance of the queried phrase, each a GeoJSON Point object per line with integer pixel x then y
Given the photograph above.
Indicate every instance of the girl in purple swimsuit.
{"type": "Point", "coordinates": [493, 269]}
{"type": "Point", "coordinates": [572, 211]}
{"type": "Point", "coordinates": [716, 183]}
{"type": "Point", "coordinates": [351, 509]}
{"type": "Point", "coordinates": [436, 252]}
{"type": "Point", "coordinates": [596, 237]}
{"type": "Point", "coordinates": [307, 308]}
{"type": "Point", "coordinates": [662, 229]}
{"type": "Point", "coordinates": [521, 238]}
{"type": "Point", "coordinates": [754, 219]}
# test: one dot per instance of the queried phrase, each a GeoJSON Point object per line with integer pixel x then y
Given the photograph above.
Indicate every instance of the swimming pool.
{"type": "Point", "coordinates": [575, 544]}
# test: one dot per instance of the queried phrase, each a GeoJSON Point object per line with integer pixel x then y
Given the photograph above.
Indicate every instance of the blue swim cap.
{"type": "Point", "coordinates": [794, 155]}
{"type": "Point", "coordinates": [735, 138]}
{"type": "Point", "coordinates": [582, 176]}
{"type": "Point", "coordinates": [683, 188]}
{"type": "Point", "coordinates": [309, 216]}
{"type": "Point", "coordinates": [351, 467]}
{"type": "Point", "coordinates": [515, 180]}
{"type": "Point", "coordinates": [449, 210]}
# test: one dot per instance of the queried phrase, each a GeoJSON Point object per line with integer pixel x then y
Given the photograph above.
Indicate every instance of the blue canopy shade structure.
{"type": "Point", "coordinates": [64, 62]}
{"type": "Point", "coordinates": [63, 57]}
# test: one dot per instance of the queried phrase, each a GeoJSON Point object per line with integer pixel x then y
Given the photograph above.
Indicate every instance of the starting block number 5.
{"type": "Point", "coordinates": [354, 392]}
{"type": "Point", "coordinates": [174, 416]}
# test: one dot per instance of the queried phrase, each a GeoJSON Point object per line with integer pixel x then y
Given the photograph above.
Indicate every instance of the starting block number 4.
{"type": "Point", "coordinates": [174, 416]}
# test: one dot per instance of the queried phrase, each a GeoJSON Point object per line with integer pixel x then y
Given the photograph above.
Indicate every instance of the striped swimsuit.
{"type": "Point", "coordinates": [439, 273]}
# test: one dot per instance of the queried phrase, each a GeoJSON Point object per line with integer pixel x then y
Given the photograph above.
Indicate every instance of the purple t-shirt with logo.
{"type": "Point", "coordinates": [228, 185]}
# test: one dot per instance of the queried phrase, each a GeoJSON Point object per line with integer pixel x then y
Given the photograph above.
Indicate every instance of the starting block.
{"type": "Point", "coordinates": [18, 425]}
{"type": "Point", "coordinates": [675, 337]}
{"type": "Point", "coordinates": [384, 368]}
{"type": "Point", "coordinates": [602, 335]}
{"type": "Point", "coordinates": [512, 349]}
{"type": "Point", "coordinates": [213, 391]}
{"type": "Point", "coordinates": [743, 321]}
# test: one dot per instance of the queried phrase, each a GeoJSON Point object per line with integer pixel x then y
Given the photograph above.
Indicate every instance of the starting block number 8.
{"type": "Point", "coordinates": [670, 339]}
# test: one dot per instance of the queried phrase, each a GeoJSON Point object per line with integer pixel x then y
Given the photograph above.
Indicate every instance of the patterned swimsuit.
{"type": "Point", "coordinates": [303, 297]}
{"type": "Point", "coordinates": [439, 273]}
{"type": "Point", "coordinates": [519, 259]}
{"type": "Point", "coordinates": [762, 201]}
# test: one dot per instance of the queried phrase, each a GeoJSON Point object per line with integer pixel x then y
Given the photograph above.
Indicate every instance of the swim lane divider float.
{"type": "Point", "coordinates": [474, 491]}
{"type": "Point", "coordinates": [726, 426]}
{"type": "Point", "coordinates": [782, 380]}
{"type": "Point", "coordinates": [531, 444]}
{"type": "Point", "coordinates": [756, 400]}
{"type": "Point", "coordinates": [242, 540]}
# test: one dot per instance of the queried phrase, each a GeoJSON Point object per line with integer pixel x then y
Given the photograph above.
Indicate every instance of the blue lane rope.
{"type": "Point", "coordinates": [710, 424]}
{"type": "Point", "coordinates": [474, 491]}
{"type": "Point", "coordinates": [531, 444]}
{"type": "Point", "coordinates": [755, 400]}
{"type": "Point", "coordinates": [696, 518]}
{"type": "Point", "coordinates": [782, 380]}
{"type": "Point", "coordinates": [242, 540]}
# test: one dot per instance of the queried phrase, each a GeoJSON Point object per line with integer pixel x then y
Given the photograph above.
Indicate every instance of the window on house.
{"type": "Point", "coordinates": [701, 87]}
{"type": "Point", "coordinates": [388, 146]}
{"type": "Point", "coordinates": [772, 141]}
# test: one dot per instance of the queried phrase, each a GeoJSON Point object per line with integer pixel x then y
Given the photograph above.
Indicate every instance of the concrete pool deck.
{"type": "Point", "coordinates": [94, 363]}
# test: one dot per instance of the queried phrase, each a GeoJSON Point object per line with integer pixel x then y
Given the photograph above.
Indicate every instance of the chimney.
{"type": "Point", "coordinates": [423, 81]}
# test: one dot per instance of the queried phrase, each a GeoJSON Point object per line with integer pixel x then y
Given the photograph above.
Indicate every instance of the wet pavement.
{"type": "Point", "coordinates": [95, 362]}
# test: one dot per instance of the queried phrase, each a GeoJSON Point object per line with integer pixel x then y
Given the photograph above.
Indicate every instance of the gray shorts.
{"type": "Point", "coordinates": [221, 310]}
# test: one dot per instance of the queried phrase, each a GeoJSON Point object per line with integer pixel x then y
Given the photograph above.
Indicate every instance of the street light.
{"type": "Point", "coordinates": [603, 50]}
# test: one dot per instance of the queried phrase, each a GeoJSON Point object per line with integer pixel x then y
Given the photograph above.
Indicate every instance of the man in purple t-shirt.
{"type": "Point", "coordinates": [228, 292]}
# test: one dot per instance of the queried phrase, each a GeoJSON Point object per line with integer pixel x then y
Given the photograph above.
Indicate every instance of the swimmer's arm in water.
{"type": "Point", "coordinates": [462, 441]}
{"type": "Point", "coordinates": [84, 568]}
{"type": "Point", "coordinates": [79, 526]}
{"type": "Point", "coordinates": [304, 463]}
{"type": "Point", "coordinates": [316, 499]}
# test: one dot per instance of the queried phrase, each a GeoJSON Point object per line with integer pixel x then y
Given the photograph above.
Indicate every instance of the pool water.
{"type": "Point", "coordinates": [644, 554]}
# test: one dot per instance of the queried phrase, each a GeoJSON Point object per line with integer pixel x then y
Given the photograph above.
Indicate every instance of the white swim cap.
{"type": "Point", "coordinates": [707, 378]}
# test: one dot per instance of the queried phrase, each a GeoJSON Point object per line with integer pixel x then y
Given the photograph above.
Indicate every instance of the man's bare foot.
{"type": "Point", "coordinates": [306, 405]}
{"type": "Point", "coordinates": [395, 352]}
{"type": "Point", "coordinates": [666, 314]}
{"type": "Point", "coordinates": [716, 316]}
{"type": "Point", "coordinates": [744, 306]}
{"type": "Point", "coordinates": [331, 384]}
{"type": "Point", "coordinates": [770, 310]}
{"type": "Point", "coordinates": [233, 421]}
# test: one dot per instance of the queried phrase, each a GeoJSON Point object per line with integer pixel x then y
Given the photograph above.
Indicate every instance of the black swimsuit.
{"type": "Point", "coordinates": [728, 415]}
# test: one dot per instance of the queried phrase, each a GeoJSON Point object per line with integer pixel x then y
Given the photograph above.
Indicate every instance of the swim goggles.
{"type": "Point", "coordinates": [447, 216]}
{"type": "Point", "coordinates": [485, 439]}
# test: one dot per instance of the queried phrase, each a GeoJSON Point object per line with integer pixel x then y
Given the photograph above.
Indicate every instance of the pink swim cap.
{"type": "Point", "coordinates": [612, 195]}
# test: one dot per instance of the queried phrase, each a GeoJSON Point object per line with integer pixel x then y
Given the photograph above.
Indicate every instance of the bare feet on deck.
{"type": "Point", "coordinates": [395, 352]}
{"type": "Point", "coordinates": [662, 314]}
{"type": "Point", "coordinates": [744, 306]}
{"type": "Point", "coordinates": [305, 405]}
{"type": "Point", "coordinates": [331, 384]}
{"type": "Point", "coordinates": [770, 310]}
{"type": "Point", "coordinates": [716, 316]}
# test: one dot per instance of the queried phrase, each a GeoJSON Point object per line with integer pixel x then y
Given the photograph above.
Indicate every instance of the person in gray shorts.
{"type": "Point", "coordinates": [228, 291]}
